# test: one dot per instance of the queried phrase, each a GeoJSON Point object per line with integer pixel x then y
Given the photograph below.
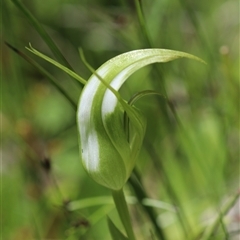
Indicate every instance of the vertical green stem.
{"type": "Point", "coordinates": [142, 22]}
{"type": "Point", "coordinates": [121, 205]}
{"type": "Point", "coordinates": [45, 36]}
{"type": "Point", "coordinates": [158, 163]}
{"type": "Point", "coordinates": [141, 194]}
{"type": "Point", "coordinates": [157, 69]}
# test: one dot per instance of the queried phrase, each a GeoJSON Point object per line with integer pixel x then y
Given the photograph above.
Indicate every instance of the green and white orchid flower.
{"type": "Point", "coordinates": [106, 152]}
{"type": "Point", "coordinates": [110, 144]}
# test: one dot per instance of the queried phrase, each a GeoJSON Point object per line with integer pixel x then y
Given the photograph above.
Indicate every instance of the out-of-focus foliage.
{"type": "Point", "coordinates": [192, 163]}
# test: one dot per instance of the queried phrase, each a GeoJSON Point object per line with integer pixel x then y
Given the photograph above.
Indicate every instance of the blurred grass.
{"type": "Point", "coordinates": [194, 166]}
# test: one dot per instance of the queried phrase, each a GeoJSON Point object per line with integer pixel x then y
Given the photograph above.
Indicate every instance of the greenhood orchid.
{"type": "Point", "coordinates": [107, 152]}
{"type": "Point", "coordinates": [108, 147]}
{"type": "Point", "coordinates": [111, 131]}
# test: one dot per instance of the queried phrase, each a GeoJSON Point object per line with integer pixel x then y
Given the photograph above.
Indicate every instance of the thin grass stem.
{"type": "Point", "coordinates": [142, 23]}
{"type": "Point", "coordinates": [141, 194]}
{"type": "Point", "coordinates": [224, 228]}
{"type": "Point", "coordinates": [42, 32]}
{"type": "Point", "coordinates": [211, 229]}
{"type": "Point", "coordinates": [190, 11]}
{"type": "Point", "coordinates": [45, 73]}
{"type": "Point", "coordinates": [186, 228]}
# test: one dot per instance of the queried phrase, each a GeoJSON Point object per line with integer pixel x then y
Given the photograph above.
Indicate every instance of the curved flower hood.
{"type": "Point", "coordinates": [106, 152]}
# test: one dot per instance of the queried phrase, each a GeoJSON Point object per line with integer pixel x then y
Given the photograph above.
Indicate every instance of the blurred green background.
{"type": "Point", "coordinates": [192, 163]}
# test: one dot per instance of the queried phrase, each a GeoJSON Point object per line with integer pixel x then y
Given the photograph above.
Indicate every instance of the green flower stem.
{"type": "Point", "coordinates": [141, 194]}
{"type": "Point", "coordinates": [121, 205]}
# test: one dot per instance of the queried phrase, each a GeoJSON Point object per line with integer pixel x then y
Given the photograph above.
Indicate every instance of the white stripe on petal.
{"type": "Point", "coordinates": [109, 100]}
{"type": "Point", "coordinates": [91, 152]}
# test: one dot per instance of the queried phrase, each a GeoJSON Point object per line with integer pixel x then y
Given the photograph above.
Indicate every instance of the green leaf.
{"type": "Point", "coordinates": [55, 63]}
{"type": "Point", "coordinates": [95, 201]}
{"type": "Point", "coordinates": [115, 232]}
{"type": "Point", "coordinates": [106, 152]}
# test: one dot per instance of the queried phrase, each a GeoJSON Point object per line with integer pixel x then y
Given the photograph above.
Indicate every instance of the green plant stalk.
{"type": "Point", "coordinates": [45, 73]}
{"type": "Point", "coordinates": [45, 36]}
{"type": "Point", "coordinates": [146, 35]}
{"type": "Point", "coordinates": [135, 179]}
{"type": "Point", "coordinates": [186, 228]}
{"type": "Point", "coordinates": [166, 114]}
{"type": "Point", "coordinates": [141, 194]}
{"type": "Point", "coordinates": [142, 22]}
{"type": "Point", "coordinates": [159, 73]}
{"type": "Point", "coordinates": [122, 209]}
{"type": "Point", "coordinates": [114, 231]}
{"type": "Point", "coordinates": [210, 230]}
{"type": "Point", "coordinates": [224, 228]}
{"type": "Point", "coordinates": [8, 26]}
{"type": "Point", "coordinates": [189, 9]}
